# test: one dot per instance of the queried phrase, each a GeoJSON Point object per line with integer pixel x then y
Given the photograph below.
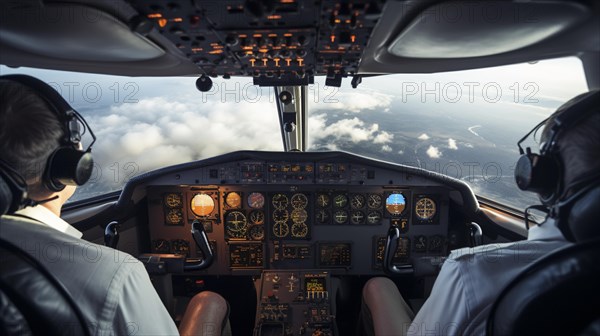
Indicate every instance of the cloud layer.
{"type": "Point", "coordinates": [156, 132]}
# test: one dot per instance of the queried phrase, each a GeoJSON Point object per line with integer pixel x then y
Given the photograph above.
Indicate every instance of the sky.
{"type": "Point", "coordinates": [147, 123]}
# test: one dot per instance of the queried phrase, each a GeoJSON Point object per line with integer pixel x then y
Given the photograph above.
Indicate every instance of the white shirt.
{"type": "Point", "coordinates": [46, 217]}
{"type": "Point", "coordinates": [471, 279]}
{"type": "Point", "coordinates": [112, 288]}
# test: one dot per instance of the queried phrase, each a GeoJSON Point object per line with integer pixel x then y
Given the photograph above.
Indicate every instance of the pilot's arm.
{"type": "Point", "coordinates": [447, 308]}
{"type": "Point", "coordinates": [468, 284]}
{"type": "Point", "coordinates": [138, 309]}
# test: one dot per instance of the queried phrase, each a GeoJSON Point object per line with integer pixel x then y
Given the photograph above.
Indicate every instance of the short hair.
{"type": "Point", "coordinates": [29, 132]}
{"type": "Point", "coordinates": [578, 148]}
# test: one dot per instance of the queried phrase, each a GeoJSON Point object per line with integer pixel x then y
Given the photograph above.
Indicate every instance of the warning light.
{"type": "Point", "coordinates": [154, 16]}
{"type": "Point", "coordinates": [178, 19]}
{"type": "Point", "coordinates": [300, 60]}
{"type": "Point", "coordinates": [332, 37]}
{"type": "Point", "coordinates": [274, 17]}
{"type": "Point", "coordinates": [252, 61]}
{"type": "Point", "coordinates": [276, 61]}
{"type": "Point", "coordinates": [162, 23]}
{"type": "Point", "coordinates": [353, 38]}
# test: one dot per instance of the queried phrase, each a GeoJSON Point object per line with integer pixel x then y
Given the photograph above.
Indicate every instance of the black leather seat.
{"type": "Point", "coordinates": [558, 295]}
{"type": "Point", "coordinates": [32, 301]}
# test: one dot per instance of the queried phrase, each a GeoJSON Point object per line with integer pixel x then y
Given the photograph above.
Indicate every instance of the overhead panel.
{"type": "Point", "coordinates": [284, 42]}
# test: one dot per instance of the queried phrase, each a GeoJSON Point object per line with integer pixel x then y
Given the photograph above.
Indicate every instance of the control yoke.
{"type": "Point", "coordinates": [111, 234]}
{"type": "Point", "coordinates": [391, 245]}
{"type": "Point", "coordinates": [475, 234]}
{"type": "Point", "coordinates": [202, 242]}
{"type": "Point", "coordinates": [157, 263]}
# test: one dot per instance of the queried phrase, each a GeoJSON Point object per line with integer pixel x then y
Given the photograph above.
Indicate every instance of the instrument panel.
{"type": "Point", "coordinates": [262, 215]}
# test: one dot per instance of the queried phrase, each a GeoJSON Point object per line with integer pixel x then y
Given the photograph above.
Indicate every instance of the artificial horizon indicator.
{"type": "Point", "coordinates": [395, 203]}
{"type": "Point", "coordinates": [202, 205]}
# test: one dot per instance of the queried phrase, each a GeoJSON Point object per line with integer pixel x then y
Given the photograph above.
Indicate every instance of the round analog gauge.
{"type": "Point", "coordinates": [279, 201]}
{"type": "Point", "coordinates": [256, 200]}
{"type": "Point", "coordinates": [202, 205]}
{"type": "Point", "coordinates": [173, 200]}
{"type": "Point", "coordinates": [299, 230]}
{"type": "Point", "coordinates": [281, 229]}
{"type": "Point", "coordinates": [395, 203]}
{"type": "Point", "coordinates": [257, 217]}
{"type": "Point", "coordinates": [340, 217]}
{"type": "Point", "coordinates": [180, 246]}
{"type": "Point", "coordinates": [280, 215]}
{"type": "Point", "coordinates": [174, 217]}
{"type": "Point", "coordinates": [299, 216]}
{"type": "Point", "coordinates": [357, 217]}
{"type": "Point", "coordinates": [233, 200]}
{"type": "Point", "coordinates": [340, 200]}
{"type": "Point", "coordinates": [323, 216]}
{"type": "Point", "coordinates": [236, 224]}
{"type": "Point", "coordinates": [425, 208]}
{"type": "Point", "coordinates": [161, 246]}
{"type": "Point", "coordinates": [257, 232]}
{"type": "Point", "coordinates": [420, 243]}
{"type": "Point", "coordinates": [374, 217]}
{"type": "Point", "coordinates": [357, 201]}
{"type": "Point", "coordinates": [374, 201]}
{"type": "Point", "coordinates": [435, 243]}
{"type": "Point", "coordinates": [323, 200]}
{"type": "Point", "coordinates": [299, 201]}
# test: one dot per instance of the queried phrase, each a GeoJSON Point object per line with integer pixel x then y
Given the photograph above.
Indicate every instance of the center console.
{"type": "Point", "coordinates": [295, 303]}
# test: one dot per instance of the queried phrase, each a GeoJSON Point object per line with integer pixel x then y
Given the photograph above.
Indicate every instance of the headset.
{"type": "Point", "coordinates": [67, 164]}
{"type": "Point", "coordinates": [543, 173]}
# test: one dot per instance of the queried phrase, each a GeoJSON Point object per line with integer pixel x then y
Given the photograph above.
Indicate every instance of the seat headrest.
{"type": "Point", "coordinates": [584, 216]}
{"type": "Point", "coordinates": [40, 298]}
{"type": "Point", "coordinates": [546, 298]}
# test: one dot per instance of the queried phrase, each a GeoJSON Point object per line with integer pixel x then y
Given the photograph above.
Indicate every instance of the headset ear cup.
{"type": "Point", "coordinates": [539, 174]}
{"type": "Point", "coordinates": [68, 166]}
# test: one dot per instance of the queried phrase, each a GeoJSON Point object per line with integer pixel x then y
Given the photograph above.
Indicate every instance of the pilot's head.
{"type": "Point", "coordinates": [40, 139]}
{"type": "Point", "coordinates": [577, 145]}
{"type": "Point", "coordinates": [566, 172]}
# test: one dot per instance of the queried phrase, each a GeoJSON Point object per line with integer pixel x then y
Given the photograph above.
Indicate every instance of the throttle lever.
{"type": "Point", "coordinates": [391, 245]}
{"type": "Point", "coordinates": [201, 241]}
{"type": "Point", "coordinates": [111, 234]}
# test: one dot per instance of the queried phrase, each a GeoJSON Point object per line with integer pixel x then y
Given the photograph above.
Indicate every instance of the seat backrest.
{"type": "Point", "coordinates": [558, 295]}
{"type": "Point", "coordinates": [32, 301]}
